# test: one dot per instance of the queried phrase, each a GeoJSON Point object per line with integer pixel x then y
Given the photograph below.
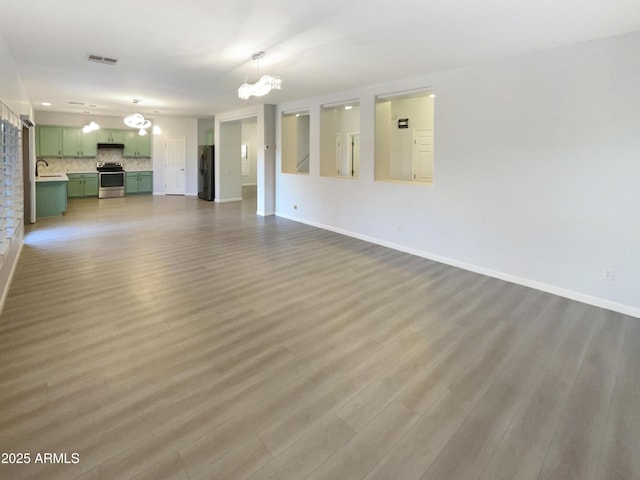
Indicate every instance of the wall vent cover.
{"type": "Point", "coordinates": [103, 60]}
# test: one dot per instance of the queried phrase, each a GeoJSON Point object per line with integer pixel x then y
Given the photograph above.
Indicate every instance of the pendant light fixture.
{"type": "Point", "coordinates": [92, 127]}
{"type": "Point", "coordinates": [138, 121]}
{"type": "Point", "coordinates": [264, 85]}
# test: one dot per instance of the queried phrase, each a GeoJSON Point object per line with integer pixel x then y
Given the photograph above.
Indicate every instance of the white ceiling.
{"type": "Point", "coordinates": [188, 58]}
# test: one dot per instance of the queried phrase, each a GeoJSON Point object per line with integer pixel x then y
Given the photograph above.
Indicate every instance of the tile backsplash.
{"type": "Point", "coordinates": [84, 165]}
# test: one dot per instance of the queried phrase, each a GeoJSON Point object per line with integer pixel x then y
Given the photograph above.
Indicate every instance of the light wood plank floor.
{"type": "Point", "coordinates": [171, 338]}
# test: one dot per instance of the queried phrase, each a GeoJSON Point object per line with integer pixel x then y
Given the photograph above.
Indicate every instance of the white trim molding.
{"type": "Point", "coordinates": [525, 282]}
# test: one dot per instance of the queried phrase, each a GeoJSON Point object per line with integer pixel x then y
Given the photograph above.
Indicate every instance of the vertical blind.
{"type": "Point", "coordinates": [11, 193]}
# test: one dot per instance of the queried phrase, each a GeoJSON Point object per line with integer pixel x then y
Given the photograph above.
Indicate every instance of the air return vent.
{"type": "Point", "coordinates": [104, 60]}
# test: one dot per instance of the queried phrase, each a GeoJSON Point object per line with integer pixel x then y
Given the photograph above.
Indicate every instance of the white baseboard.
{"type": "Point", "coordinates": [227, 200]}
{"type": "Point", "coordinates": [526, 282]}
{"type": "Point", "coordinates": [264, 214]}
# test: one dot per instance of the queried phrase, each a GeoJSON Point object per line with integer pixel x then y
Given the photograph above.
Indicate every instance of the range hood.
{"type": "Point", "coordinates": [119, 146]}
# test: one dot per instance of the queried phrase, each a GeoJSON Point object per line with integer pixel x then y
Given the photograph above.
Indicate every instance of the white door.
{"type": "Point", "coordinates": [354, 155]}
{"type": "Point", "coordinates": [423, 155]}
{"type": "Point", "coordinates": [175, 165]}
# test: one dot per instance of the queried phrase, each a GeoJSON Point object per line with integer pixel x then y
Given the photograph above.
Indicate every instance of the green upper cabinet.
{"type": "Point", "coordinates": [53, 141]}
{"type": "Point", "coordinates": [136, 145]}
{"type": "Point", "coordinates": [70, 142]}
{"type": "Point", "coordinates": [49, 142]}
{"type": "Point", "coordinates": [75, 143]}
{"type": "Point", "coordinates": [111, 136]}
{"type": "Point", "coordinates": [89, 143]}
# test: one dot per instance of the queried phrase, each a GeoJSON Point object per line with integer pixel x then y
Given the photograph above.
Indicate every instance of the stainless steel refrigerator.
{"type": "Point", "coordinates": [206, 172]}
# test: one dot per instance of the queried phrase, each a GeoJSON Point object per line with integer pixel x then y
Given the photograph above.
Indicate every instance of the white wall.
{"type": "Point", "coordinates": [205, 130]}
{"type": "Point", "coordinates": [536, 173]}
{"type": "Point", "coordinates": [13, 94]}
{"type": "Point", "coordinates": [12, 91]}
{"type": "Point", "coordinates": [229, 161]}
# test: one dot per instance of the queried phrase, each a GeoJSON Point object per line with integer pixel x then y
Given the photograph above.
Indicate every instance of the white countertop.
{"type": "Point", "coordinates": [58, 177]}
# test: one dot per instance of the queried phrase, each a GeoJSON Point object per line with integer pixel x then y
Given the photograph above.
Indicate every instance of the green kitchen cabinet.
{"type": "Point", "coordinates": [76, 143]}
{"type": "Point", "coordinates": [82, 185]}
{"type": "Point", "coordinates": [51, 198]}
{"type": "Point", "coordinates": [89, 143]}
{"type": "Point", "coordinates": [139, 182]}
{"type": "Point", "coordinates": [136, 145]}
{"type": "Point", "coordinates": [111, 136]}
{"type": "Point", "coordinates": [49, 141]}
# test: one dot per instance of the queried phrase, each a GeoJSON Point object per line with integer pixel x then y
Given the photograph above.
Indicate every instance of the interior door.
{"type": "Point", "coordinates": [423, 155]}
{"type": "Point", "coordinates": [175, 165]}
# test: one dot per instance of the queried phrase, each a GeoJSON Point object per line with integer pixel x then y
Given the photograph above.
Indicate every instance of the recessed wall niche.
{"type": "Point", "coordinates": [295, 142]}
{"type": "Point", "coordinates": [340, 140]}
{"type": "Point", "coordinates": [404, 137]}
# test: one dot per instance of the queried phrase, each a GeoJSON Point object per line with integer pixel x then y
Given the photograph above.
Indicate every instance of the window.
{"type": "Point", "coordinates": [340, 140]}
{"type": "Point", "coordinates": [11, 206]}
{"type": "Point", "coordinates": [295, 142]}
{"type": "Point", "coordinates": [404, 137]}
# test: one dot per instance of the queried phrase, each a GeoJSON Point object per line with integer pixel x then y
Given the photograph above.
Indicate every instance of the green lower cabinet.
{"type": "Point", "coordinates": [82, 185]}
{"type": "Point", "coordinates": [139, 182]}
{"type": "Point", "coordinates": [51, 198]}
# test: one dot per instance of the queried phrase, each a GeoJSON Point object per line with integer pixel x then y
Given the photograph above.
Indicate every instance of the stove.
{"type": "Point", "coordinates": [111, 179]}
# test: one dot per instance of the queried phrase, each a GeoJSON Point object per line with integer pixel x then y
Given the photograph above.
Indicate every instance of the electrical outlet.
{"type": "Point", "coordinates": [607, 274]}
{"type": "Point", "coordinates": [398, 227]}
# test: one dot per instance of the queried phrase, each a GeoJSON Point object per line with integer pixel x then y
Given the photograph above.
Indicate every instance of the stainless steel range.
{"type": "Point", "coordinates": [111, 179]}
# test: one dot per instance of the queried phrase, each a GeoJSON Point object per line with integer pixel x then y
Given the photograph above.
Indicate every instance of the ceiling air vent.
{"type": "Point", "coordinates": [103, 60]}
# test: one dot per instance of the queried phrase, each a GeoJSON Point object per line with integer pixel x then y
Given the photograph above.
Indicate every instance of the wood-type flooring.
{"type": "Point", "coordinates": [170, 338]}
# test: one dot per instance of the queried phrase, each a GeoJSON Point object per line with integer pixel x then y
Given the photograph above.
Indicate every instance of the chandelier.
{"type": "Point", "coordinates": [138, 121]}
{"type": "Point", "coordinates": [264, 85]}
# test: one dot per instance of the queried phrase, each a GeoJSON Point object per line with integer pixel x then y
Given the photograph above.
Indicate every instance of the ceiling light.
{"type": "Point", "coordinates": [92, 127]}
{"type": "Point", "coordinates": [45, 104]}
{"type": "Point", "coordinates": [156, 130]}
{"type": "Point", "coordinates": [260, 88]}
{"type": "Point", "coordinates": [348, 107]}
{"type": "Point", "coordinates": [137, 120]}
{"type": "Point", "coordinates": [142, 132]}
{"type": "Point", "coordinates": [264, 85]}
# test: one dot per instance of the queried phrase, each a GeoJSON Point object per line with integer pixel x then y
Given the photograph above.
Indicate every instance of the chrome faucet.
{"type": "Point", "coordinates": [37, 162]}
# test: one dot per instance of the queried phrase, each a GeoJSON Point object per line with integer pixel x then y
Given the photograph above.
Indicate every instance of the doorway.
{"type": "Point", "coordinates": [238, 160]}
{"type": "Point", "coordinates": [175, 164]}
